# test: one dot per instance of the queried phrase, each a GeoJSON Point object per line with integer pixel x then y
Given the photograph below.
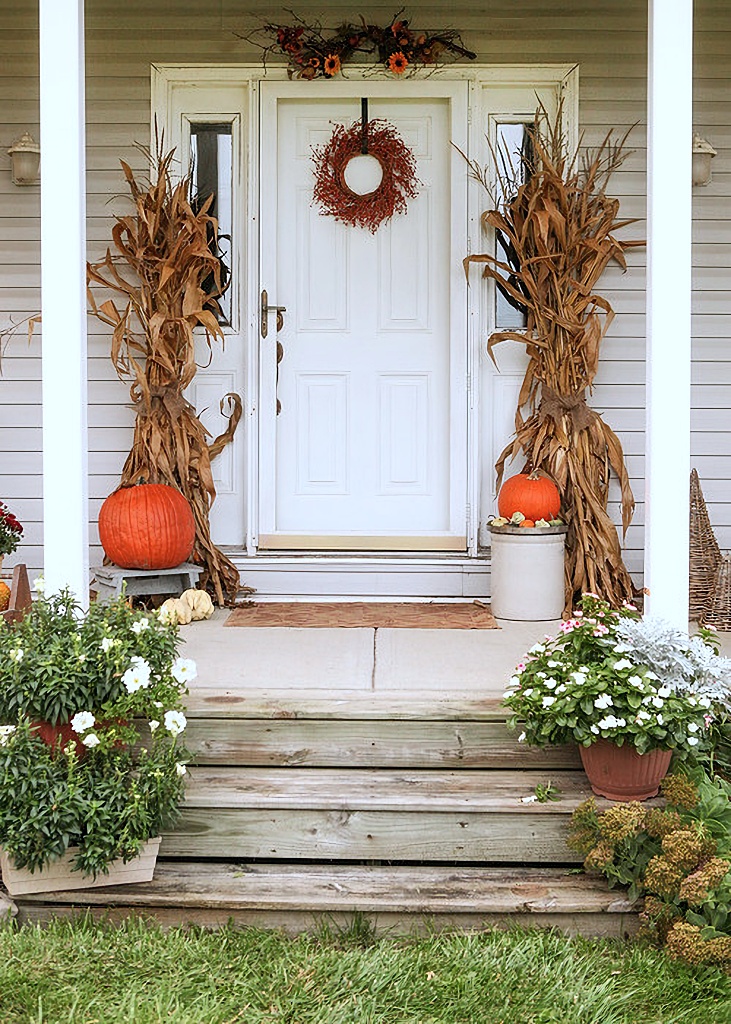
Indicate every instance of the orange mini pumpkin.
{"type": "Point", "coordinates": [535, 496]}
{"type": "Point", "coordinates": [528, 522]}
{"type": "Point", "coordinates": [149, 526]}
{"type": "Point", "coordinates": [4, 597]}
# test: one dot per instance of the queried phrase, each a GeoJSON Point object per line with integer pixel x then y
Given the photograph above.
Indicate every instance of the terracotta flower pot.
{"type": "Point", "coordinates": [620, 773]}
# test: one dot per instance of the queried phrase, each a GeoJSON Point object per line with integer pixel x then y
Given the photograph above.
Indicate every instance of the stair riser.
{"type": "Point", "coordinates": [296, 922]}
{"type": "Point", "coordinates": [291, 834]}
{"type": "Point", "coordinates": [367, 744]}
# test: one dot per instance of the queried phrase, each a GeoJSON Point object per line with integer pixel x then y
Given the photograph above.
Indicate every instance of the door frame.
{"type": "Point", "coordinates": [484, 82]}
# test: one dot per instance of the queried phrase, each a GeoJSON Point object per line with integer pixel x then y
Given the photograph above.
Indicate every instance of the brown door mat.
{"type": "Point", "coordinates": [364, 614]}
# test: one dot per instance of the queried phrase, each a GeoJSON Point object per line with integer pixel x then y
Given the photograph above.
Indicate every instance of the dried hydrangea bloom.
{"type": "Point", "coordinates": [685, 942]}
{"type": "Point", "coordinates": [659, 823]}
{"type": "Point", "coordinates": [657, 918]}
{"type": "Point", "coordinates": [663, 878]}
{"type": "Point", "coordinates": [621, 821]}
{"type": "Point", "coordinates": [696, 888]}
{"type": "Point", "coordinates": [685, 849]}
{"type": "Point", "coordinates": [679, 791]}
{"type": "Point", "coordinates": [599, 857]}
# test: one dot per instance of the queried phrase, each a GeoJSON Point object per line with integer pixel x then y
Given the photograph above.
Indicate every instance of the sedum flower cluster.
{"type": "Point", "coordinates": [678, 857]}
{"type": "Point", "coordinates": [91, 713]}
{"type": "Point", "coordinates": [590, 683]}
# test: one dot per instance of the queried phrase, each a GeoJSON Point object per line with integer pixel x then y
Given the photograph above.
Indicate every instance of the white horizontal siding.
{"type": "Point", "coordinates": [607, 38]}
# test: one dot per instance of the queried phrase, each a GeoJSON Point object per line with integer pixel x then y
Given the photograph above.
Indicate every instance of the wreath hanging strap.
{"type": "Point", "coordinates": [398, 183]}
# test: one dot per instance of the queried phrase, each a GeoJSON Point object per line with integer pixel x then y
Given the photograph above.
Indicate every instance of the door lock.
{"type": "Point", "coordinates": [266, 309]}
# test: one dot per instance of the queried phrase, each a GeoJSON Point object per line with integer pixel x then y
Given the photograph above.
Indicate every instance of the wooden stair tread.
{"type": "Point", "coordinates": [370, 889]}
{"type": "Point", "coordinates": [224, 702]}
{"type": "Point", "coordinates": [368, 789]}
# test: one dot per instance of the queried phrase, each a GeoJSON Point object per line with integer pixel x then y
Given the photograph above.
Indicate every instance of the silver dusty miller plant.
{"type": "Point", "coordinates": [682, 662]}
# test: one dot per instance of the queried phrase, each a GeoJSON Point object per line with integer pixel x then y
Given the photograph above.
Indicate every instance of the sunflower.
{"type": "Point", "coordinates": [331, 65]}
{"type": "Point", "coordinates": [397, 63]}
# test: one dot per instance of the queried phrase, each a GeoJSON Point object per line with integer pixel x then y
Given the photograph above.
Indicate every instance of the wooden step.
{"type": "Point", "coordinates": [371, 814]}
{"type": "Point", "coordinates": [228, 730]}
{"type": "Point", "coordinates": [396, 900]}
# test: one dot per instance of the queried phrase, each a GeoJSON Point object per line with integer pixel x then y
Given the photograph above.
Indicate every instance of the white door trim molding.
{"type": "Point", "coordinates": [483, 81]}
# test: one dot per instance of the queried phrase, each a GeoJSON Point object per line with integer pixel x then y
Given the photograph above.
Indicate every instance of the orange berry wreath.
{"type": "Point", "coordinates": [398, 183]}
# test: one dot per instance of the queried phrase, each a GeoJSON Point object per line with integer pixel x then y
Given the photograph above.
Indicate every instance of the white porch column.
{"type": "Point", "coordinates": [669, 141]}
{"type": "Point", "coordinates": [63, 298]}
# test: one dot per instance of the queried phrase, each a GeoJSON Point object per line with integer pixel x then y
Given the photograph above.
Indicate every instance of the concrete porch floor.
{"type": "Point", "coordinates": [321, 662]}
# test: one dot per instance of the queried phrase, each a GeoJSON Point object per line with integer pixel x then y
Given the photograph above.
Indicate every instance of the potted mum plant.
{"type": "Point", "coordinates": [630, 691]}
{"type": "Point", "coordinates": [91, 764]}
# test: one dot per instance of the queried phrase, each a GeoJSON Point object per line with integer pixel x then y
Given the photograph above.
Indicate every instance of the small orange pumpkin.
{"type": "Point", "coordinates": [4, 597]}
{"type": "Point", "coordinates": [528, 522]}
{"type": "Point", "coordinates": [149, 526]}
{"type": "Point", "coordinates": [534, 495]}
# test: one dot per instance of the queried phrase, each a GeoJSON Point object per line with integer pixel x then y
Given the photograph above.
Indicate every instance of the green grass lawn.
{"type": "Point", "coordinates": [83, 973]}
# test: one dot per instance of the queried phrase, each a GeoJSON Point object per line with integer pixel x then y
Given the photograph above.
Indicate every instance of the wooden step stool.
{"type": "Point", "coordinates": [111, 580]}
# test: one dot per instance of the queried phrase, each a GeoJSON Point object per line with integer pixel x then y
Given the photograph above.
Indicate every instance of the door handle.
{"type": "Point", "coordinates": [265, 310]}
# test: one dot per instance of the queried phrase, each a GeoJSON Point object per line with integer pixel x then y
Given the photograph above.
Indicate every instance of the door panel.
{"type": "Point", "coordinates": [369, 448]}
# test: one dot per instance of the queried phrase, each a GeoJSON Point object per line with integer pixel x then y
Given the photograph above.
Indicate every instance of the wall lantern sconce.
{"type": "Point", "coordinates": [703, 153]}
{"type": "Point", "coordinates": [25, 156]}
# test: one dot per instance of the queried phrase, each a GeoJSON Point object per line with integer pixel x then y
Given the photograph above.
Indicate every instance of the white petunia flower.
{"type": "Point", "coordinates": [657, 702]}
{"type": "Point", "coordinates": [90, 740]}
{"type": "Point", "coordinates": [137, 676]}
{"type": "Point", "coordinates": [561, 688]}
{"type": "Point", "coordinates": [621, 722]}
{"type": "Point", "coordinates": [704, 702]}
{"type": "Point", "coordinates": [6, 731]}
{"type": "Point", "coordinates": [529, 799]}
{"type": "Point", "coordinates": [603, 701]}
{"type": "Point", "coordinates": [184, 670]}
{"type": "Point", "coordinates": [180, 768]}
{"type": "Point", "coordinates": [107, 644]}
{"type": "Point", "coordinates": [16, 655]}
{"type": "Point", "coordinates": [621, 649]}
{"type": "Point", "coordinates": [39, 585]}
{"type": "Point", "coordinates": [594, 729]}
{"type": "Point", "coordinates": [514, 682]}
{"type": "Point", "coordinates": [692, 727]}
{"type": "Point", "coordinates": [522, 738]}
{"type": "Point", "coordinates": [610, 722]}
{"type": "Point", "coordinates": [154, 724]}
{"type": "Point", "coordinates": [643, 716]}
{"type": "Point", "coordinates": [537, 649]}
{"type": "Point", "coordinates": [175, 722]}
{"type": "Point", "coordinates": [551, 684]}
{"type": "Point", "coordinates": [553, 664]}
{"type": "Point", "coordinates": [664, 691]}
{"type": "Point", "coordinates": [140, 626]}
{"type": "Point", "coordinates": [579, 678]}
{"type": "Point", "coordinates": [660, 719]}
{"type": "Point", "coordinates": [548, 701]}
{"type": "Point", "coordinates": [83, 721]}
{"type": "Point", "coordinates": [528, 692]}
{"type": "Point", "coordinates": [636, 681]}
{"type": "Point", "coordinates": [621, 664]}
{"type": "Point", "coordinates": [692, 741]}
{"type": "Point", "coordinates": [651, 675]}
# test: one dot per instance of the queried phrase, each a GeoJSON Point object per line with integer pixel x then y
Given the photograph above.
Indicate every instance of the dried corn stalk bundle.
{"type": "Point", "coordinates": [556, 235]}
{"type": "Point", "coordinates": [165, 268]}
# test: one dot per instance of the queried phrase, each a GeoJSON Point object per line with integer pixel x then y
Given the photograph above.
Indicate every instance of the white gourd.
{"type": "Point", "coordinates": [199, 602]}
{"type": "Point", "coordinates": [175, 610]}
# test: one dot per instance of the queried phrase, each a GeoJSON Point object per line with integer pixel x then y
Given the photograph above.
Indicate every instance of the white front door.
{"type": "Point", "coordinates": [369, 449]}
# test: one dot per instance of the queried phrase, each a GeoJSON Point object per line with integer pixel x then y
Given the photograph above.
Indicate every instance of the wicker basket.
{"type": "Point", "coordinates": [705, 554]}
{"type": "Point", "coordinates": [718, 608]}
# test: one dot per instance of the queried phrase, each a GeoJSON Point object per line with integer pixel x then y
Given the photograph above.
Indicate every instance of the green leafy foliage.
{"type": "Point", "coordinates": [588, 684]}
{"type": "Point", "coordinates": [111, 776]}
{"type": "Point", "coordinates": [678, 857]}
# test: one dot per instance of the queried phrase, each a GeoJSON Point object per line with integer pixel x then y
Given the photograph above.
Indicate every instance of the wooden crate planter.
{"type": "Point", "coordinates": [58, 876]}
{"type": "Point", "coordinates": [20, 598]}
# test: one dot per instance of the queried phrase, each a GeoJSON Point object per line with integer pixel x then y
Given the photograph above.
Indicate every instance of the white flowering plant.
{"type": "Point", "coordinates": [591, 682]}
{"type": "Point", "coordinates": [91, 719]}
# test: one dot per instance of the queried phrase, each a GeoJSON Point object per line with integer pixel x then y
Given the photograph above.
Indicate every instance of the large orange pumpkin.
{"type": "Point", "coordinates": [149, 526]}
{"type": "Point", "coordinates": [535, 496]}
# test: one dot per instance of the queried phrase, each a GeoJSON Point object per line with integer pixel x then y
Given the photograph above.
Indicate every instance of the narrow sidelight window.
{"type": "Point", "coordinates": [212, 174]}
